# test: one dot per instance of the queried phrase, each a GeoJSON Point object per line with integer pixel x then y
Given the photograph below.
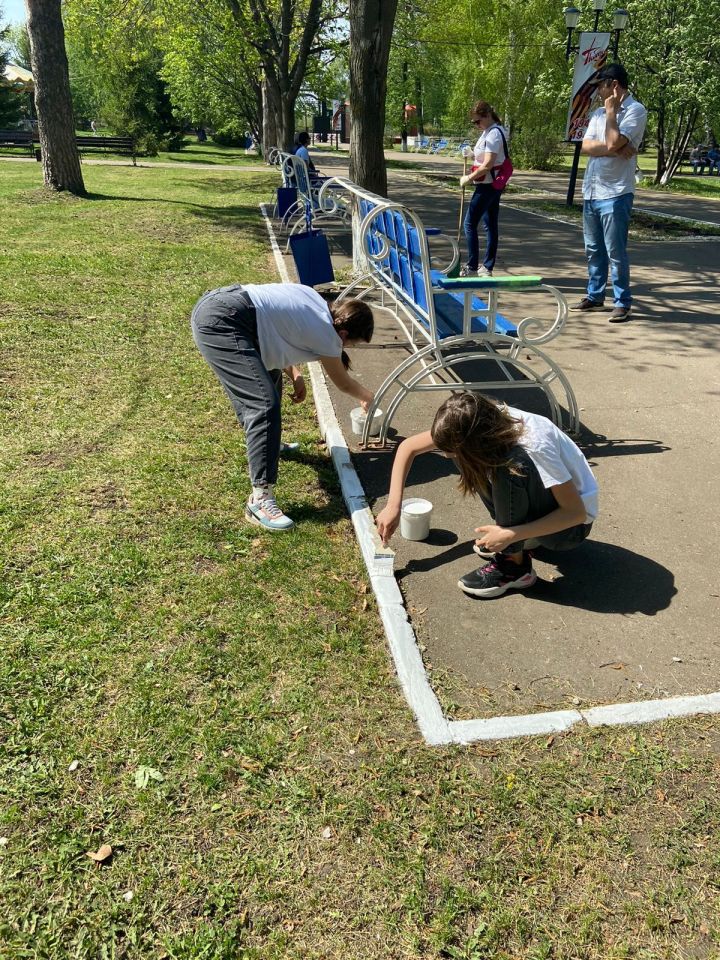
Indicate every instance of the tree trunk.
{"type": "Point", "coordinates": [269, 124]}
{"type": "Point", "coordinates": [660, 165]}
{"type": "Point", "coordinates": [686, 125]}
{"type": "Point", "coordinates": [371, 24]}
{"type": "Point", "coordinates": [53, 103]}
{"type": "Point", "coordinates": [419, 106]}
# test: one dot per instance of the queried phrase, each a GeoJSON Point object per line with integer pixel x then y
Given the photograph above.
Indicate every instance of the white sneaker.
{"type": "Point", "coordinates": [266, 513]}
{"type": "Point", "coordinates": [482, 271]}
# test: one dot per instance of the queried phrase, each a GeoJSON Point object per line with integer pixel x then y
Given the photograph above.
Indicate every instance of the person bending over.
{"type": "Point", "coordinates": [249, 334]}
{"type": "Point", "coordinates": [534, 481]}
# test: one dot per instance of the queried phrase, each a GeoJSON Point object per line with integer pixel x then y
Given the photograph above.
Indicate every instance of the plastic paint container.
{"type": "Point", "coordinates": [415, 519]}
{"type": "Point", "coordinates": [358, 418]}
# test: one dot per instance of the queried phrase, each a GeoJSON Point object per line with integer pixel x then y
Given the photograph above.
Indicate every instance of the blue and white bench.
{"type": "Point", "coordinates": [449, 322]}
{"type": "Point", "coordinates": [335, 207]}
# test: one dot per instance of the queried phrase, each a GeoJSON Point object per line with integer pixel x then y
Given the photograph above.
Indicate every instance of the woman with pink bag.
{"type": "Point", "coordinates": [489, 174]}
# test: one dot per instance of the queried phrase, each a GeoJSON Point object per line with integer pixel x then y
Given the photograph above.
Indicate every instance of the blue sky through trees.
{"type": "Point", "coordinates": [13, 10]}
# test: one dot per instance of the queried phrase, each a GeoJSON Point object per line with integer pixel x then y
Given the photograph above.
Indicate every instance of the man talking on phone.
{"type": "Point", "coordinates": [612, 140]}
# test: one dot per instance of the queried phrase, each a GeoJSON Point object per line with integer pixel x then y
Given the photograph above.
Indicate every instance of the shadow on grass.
{"type": "Point", "coordinates": [234, 217]}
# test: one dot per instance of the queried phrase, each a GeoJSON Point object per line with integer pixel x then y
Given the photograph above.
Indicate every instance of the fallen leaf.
{"type": "Point", "coordinates": [250, 765]}
{"type": "Point", "coordinates": [614, 665]}
{"type": "Point", "coordinates": [549, 742]}
{"type": "Point", "coordinates": [143, 776]}
{"type": "Point", "coordinates": [102, 854]}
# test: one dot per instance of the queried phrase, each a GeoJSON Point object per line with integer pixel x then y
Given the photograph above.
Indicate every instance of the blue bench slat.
{"type": "Point", "coordinates": [449, 310]}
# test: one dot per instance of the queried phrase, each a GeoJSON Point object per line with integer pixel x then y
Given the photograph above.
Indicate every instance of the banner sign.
{"type": "Point", "coordinates": [336, 125]}
{"type": "Point", "coordinates": [590, 59]}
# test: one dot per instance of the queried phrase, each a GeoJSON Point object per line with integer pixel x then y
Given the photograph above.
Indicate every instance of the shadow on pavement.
{"type": "Point", "coordinates": [597, 576]}
{"type": "Point", "coordinates": [606, 578]}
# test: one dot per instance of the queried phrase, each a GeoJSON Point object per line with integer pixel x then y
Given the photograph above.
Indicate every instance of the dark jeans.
{"type": "Point", "coordinates": [224, 328]}
{"type": "Point", "coordinates": [521, 499]}
{"type": "Point", "coordinates": [485, 207]}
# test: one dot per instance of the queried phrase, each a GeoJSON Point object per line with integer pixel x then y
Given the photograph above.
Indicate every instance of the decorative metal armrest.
{"type": "Point", "coordinates": [548, 330]}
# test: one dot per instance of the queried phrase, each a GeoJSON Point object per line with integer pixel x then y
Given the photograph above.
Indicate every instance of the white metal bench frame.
{"type": "Point", "coordinates": [430, 367]}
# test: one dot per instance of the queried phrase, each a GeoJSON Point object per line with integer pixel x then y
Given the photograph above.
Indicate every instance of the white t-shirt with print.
{"type": "Point", "coordinates": [294, 324]}
{"type": "Point", "coordinates": [557, 458]}
{"type": "Point", "coordinates": [490, 141]}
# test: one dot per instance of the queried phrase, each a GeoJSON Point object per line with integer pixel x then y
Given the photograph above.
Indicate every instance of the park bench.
{"type": "Point", "coordinates": [453, 326]}
{"type": "Point", "coordinates": [93, 143]}
{"type": "Point", "coordinates": [336, 205]}
{"type": "Point", "coordinates": [18, 138]}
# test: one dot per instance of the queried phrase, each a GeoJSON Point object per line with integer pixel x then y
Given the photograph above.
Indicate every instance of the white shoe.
{"type": "Point", "coordinates": [483, 271]}
{"type": "Point", "coordinates": [268, 514]}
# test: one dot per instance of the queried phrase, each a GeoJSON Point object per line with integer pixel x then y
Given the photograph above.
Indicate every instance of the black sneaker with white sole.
{"type": "Point", "coordinates": [497, 577]}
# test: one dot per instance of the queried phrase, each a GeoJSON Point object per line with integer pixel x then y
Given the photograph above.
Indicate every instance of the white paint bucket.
{"type": "Point", "coordinates": [415, 518]}
{"type": "Point", "coordinates": [358, 418]}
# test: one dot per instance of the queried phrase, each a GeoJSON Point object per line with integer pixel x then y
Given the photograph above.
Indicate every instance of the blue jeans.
{"type": "Point", "coordinates": [605, 230]}
{"type": "Point", "coordinates": [485, 206]}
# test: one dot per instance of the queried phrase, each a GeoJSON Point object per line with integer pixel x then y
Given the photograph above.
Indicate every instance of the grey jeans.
{"type": "Point", "coordinates": [521, 499]}
{"type": "Point", "coordinates": [224, 328]}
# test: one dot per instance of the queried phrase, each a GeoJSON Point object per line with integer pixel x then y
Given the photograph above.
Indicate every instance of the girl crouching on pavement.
{"type": "Point", "coordinates": [534, 481]}
{"type": "Point", "coordinates": [250, 335]}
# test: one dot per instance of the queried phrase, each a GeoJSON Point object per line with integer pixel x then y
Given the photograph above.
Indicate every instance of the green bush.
{"type": "Point", "coordinates": [535, 147]}
{"type": "Point", "coordinates": [231, 135]}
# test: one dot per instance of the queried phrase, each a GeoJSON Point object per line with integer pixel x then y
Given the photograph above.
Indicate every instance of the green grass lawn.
{"type": "Point", "coordinates": [218, 704]}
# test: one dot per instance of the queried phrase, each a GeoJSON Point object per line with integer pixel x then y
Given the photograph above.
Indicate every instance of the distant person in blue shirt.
{"type": "Point", "coordinates": [713, 159]}
{"type": "Point", "coordinates": [301, 150]}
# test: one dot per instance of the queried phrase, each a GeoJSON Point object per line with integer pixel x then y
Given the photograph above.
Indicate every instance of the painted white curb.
{"type": "Point", "coordinates": [436, 729]}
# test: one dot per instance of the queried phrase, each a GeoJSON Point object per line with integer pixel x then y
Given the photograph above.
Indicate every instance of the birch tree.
{"type": "Point", "coordinates": [673, 59]}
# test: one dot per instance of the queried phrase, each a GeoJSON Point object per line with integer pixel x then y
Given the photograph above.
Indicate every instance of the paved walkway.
{"type": "Point", "coordinates": [633, 613]}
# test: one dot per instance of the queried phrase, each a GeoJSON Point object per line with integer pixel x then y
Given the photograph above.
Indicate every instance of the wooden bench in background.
{"type": "Point", "coordinates": [19, 138]}
{"type": "Point", "coordinates": [92, 143]}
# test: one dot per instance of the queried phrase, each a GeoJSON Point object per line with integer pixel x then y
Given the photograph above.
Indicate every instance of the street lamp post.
{"type": "Point", "coordinates": [572, 18]}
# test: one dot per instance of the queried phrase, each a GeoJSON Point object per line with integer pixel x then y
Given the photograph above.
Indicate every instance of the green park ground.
{"type": "Point", "coordinates": [218, 705]}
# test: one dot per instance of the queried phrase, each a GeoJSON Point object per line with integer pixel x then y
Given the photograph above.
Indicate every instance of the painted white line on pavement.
{"type": "Point", "coordinates": [437, 729]}
{"type": "Point", "coordinates": [647, 710]}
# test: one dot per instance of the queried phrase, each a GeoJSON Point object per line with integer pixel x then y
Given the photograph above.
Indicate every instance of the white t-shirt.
{"type": "Point", "coordinates": [294, 324]}
{"type": "Point", "coordinates": [557, 458]}
{"type": "Point", "coordinates": [490, 141]}
{"type": "Point", "coordinates": [608, 177]}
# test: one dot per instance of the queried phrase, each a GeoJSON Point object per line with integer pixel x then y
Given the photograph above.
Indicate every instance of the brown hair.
{"type": "Point", "coordinates": [483, 109]}
{"type": "Point", "coordinates": [354, 317]}
{"type": "Point", "coordinates": [480, 435]}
